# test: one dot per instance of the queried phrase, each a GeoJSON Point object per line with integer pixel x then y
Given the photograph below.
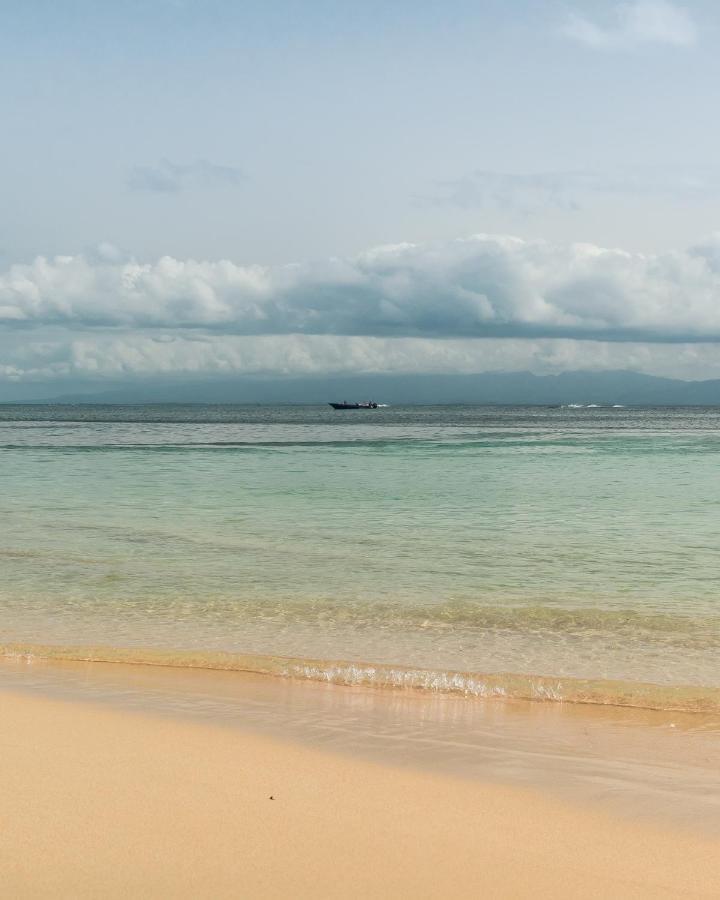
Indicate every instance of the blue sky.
{"type": "Point", "coordinates": [291, 139]}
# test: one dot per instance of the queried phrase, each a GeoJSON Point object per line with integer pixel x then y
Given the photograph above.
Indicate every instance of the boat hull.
{"type": "Point", "coordinates": [354, 405]}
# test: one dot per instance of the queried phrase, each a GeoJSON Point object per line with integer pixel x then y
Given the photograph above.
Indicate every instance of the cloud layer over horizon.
{"type": "Point", "coordinates": [55, 357]}
{"type": "Point", "coordinates": [483, 286]}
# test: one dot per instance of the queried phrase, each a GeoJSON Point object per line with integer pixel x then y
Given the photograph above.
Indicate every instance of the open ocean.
{"type": "Point", "coordinates": [558, 554]}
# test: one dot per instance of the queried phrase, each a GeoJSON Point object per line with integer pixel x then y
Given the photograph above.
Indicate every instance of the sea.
{"type": "Point", "coordinates": [555, 554]}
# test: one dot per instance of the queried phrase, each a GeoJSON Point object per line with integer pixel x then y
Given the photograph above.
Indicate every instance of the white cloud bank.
{"type": "Point", "coordinates": [54, 356]}
{"type": "Point", "coordinates": [483, 286]}
{"type": "Point", "coordinates": [633, 24]}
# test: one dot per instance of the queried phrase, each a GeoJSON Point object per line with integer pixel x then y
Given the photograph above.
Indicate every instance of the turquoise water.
{"type": "Point", "coordinates": [561, 553]}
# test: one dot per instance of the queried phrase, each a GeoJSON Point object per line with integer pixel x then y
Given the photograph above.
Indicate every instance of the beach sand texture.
{"type": "Point", "coordinates": [97, 802]}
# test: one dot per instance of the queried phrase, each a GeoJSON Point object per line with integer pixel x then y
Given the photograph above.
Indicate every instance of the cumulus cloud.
{"type": "Point", "coordinates": [633, 24]}
{"type": "Point", "coordinates": [170, 178]}
{"type": "Point", "coordinates": [477, 287]}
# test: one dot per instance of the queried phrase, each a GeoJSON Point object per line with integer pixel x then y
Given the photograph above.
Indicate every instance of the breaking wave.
{"type": "Point", "coordinates": [509, 686]}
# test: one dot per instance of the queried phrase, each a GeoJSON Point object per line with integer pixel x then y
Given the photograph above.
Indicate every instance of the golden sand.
{"type": "Point", "coordinates": [96, 802]}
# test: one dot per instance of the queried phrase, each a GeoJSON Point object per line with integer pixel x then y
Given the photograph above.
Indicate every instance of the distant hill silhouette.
{"type": "Point", "coordinates": [605, 388]}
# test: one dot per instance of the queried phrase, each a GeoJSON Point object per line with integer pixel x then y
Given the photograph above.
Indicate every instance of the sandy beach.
{"type": "Point", "coordinates": [96, 801]}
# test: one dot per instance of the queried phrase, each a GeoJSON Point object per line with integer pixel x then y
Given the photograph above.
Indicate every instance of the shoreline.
{"type": "Point", "coordinates": [637, 764]}
{"type": "Point", "coordinates": [104, 801]}
{"type": "Point", "coordinates": [638, 695]}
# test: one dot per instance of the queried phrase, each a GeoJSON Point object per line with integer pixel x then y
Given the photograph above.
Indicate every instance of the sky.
{"type": "Point", "coordinates": [207, 187]}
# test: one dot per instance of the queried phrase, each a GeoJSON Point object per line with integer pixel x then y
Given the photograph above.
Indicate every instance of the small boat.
{"type": "Point", "coordinates": [369, 405]}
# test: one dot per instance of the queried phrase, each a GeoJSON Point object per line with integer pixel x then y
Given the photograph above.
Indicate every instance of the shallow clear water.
{"type": "Point", "coordinates": [554, 549]}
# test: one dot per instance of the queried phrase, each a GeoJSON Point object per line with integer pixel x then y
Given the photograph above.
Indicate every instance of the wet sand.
{"type": "Point", "coordinates": [100, 801]}
{"type": "Point", "coordinates": [648, 764]}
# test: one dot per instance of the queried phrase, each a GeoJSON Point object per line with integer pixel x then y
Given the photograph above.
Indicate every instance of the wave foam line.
{"type": "Point", "coordinates": [503, 685]}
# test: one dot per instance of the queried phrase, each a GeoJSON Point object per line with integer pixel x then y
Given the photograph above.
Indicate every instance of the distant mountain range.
{"type": "Point", "coordinates": [604, 388]}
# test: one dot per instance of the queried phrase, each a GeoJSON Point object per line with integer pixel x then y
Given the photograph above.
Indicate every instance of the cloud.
{"type": "Point", "coordinates": [106, 356]}
{"type": "Point", "coordinates": [520, 193]}
{"type": "Point", "coordinates": [633, 24]}
{"type": "Point", "coordinates": [528, 193]}
{"type": "Point", "coordinates": [481, 286]}
{"type": "Point", "coordinates": [170, 178]}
